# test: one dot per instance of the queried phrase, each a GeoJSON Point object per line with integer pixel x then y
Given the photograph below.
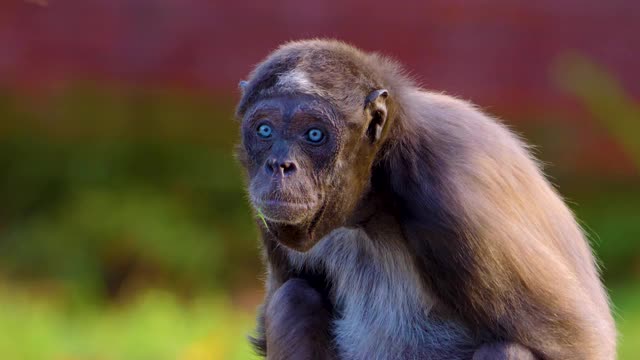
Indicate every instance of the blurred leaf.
{"type": "Point", "coordinates": [604, 97]}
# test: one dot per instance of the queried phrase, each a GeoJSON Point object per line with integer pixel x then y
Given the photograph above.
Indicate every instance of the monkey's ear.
{"type": "Point", "coordinates": [376, 109]}
{"type": "Point", "coordinates": [243, 85]}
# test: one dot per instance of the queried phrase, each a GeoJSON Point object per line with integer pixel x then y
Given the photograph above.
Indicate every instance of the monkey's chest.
{"type": "Point", "coordinates": [378, 300]}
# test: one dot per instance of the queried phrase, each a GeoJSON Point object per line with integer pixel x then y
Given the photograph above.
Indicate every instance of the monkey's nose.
{"type": "Point", "coordinates": [282, 167]}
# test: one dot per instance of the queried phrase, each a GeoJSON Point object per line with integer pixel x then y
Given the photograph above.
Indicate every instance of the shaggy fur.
{"type": "Point", "coordinates": [441, 240]}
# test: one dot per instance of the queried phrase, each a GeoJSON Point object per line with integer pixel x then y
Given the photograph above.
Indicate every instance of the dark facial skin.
{"type": "Point", "coordinates": [300, 154]}
{"type": "Point", "coordinates": [288, 166]}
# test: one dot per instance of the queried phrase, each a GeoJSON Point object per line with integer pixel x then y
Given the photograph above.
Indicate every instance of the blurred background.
{"type": "Point", "coordinates": [124, 230]}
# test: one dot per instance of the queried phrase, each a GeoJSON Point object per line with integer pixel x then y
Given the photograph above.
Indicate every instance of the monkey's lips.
{"type": "Point", "coordinates": [287, 212]}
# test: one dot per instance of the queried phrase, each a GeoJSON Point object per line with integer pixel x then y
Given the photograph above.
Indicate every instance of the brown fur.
{"type": "Point", "coordinates": [493, 245]}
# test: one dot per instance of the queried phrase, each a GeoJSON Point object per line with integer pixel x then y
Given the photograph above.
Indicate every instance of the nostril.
{"type": "Point", "coordinates": [271, 166]}
{"type": "Point", "coordinates": [288, 167]}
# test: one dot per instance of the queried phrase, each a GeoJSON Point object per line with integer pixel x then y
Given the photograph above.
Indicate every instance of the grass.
{"type": "Point", "coordinates": [158, 326]}
{"type": "Point", "coordinates": [261, 217]}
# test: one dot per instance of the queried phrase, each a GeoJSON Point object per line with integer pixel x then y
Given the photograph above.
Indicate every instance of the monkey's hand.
{"type": "Point", "coordinates": [297, 323]}
{"type": "Point", "coordinates": [503, 351]}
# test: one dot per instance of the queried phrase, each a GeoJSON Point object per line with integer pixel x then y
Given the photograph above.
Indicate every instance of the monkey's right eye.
{"type": "Point", "coordinates": [264, 131]}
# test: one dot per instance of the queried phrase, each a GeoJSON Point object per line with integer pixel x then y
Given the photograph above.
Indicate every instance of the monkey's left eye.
{"type": "Point", "coordinates": [315, 135]}
{"type": "Point", "coordinates": [264, 131]}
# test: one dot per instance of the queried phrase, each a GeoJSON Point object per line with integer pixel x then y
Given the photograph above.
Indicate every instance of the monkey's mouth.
{"type": "Point", "coordinates": [286, 211]}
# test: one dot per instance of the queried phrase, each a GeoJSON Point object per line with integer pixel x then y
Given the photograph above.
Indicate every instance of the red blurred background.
{"type": "Point", "coordinates": [499, 54]}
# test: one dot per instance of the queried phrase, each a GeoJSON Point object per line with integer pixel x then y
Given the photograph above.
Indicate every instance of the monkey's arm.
{"type": "Point", "coordinates": [277, 275]}
{"type": "Point", "coordinates": [294, 321]}
{"type": "Point", "coordinates": [297, 324]}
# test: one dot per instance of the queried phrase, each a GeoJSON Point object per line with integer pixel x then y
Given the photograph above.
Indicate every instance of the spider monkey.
{"type": "Point", "coordinates": [399, 223]}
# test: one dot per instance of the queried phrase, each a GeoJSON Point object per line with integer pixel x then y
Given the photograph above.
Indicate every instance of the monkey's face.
{"type": "Point", "coordinates": [308, 165]}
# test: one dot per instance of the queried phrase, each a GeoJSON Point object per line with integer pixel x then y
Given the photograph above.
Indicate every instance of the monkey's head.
{"type": "Point", "coordinates": [313, 117]}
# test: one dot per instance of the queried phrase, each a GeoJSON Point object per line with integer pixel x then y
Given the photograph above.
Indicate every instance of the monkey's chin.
{"type": "Point", "coordinates": [295, 227]}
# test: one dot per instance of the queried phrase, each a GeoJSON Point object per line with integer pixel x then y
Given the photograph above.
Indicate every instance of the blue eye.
{"type": "Point", "coordinates": [315, 135]}
{"type": "Point", "coordinates": [264, 131]}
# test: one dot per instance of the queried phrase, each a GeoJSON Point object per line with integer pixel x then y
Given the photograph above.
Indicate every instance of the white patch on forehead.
{"type": "Point", "coordinates": [295, 81]}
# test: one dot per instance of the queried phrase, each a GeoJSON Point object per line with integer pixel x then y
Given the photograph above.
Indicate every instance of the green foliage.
{"type": "Point", "coordinates": [627, 310]}
{"type": "Point", "coordinates": [611, 218]}
{"type": "Point", "coordinates": [105, 191]}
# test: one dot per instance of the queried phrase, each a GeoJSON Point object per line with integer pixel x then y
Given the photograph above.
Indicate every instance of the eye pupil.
{"type": "Point", "coordinates": [315, 135]}
{"type": "Point", "coordinates": [264, 131]}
